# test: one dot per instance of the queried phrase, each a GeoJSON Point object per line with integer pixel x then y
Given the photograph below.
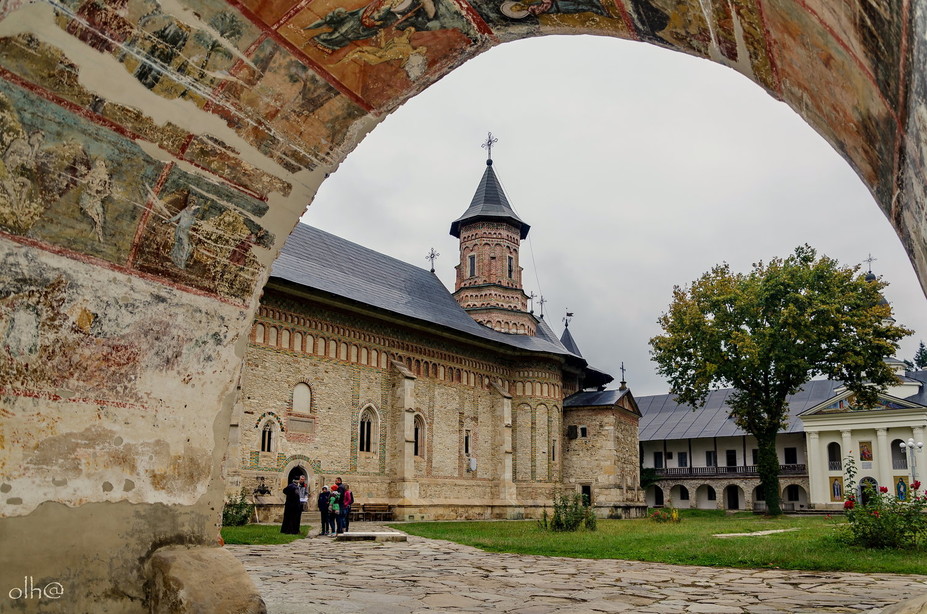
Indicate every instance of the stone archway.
{"type": "Point", "coordinates": [154, 159]}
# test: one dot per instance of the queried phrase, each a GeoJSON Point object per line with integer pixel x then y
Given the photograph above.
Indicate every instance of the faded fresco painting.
{"type": "Point", "coordinates": [854, 114]}
{"type": "Point", "coordinates": [78, 360]}
{"type": "Point", "coordinates": [66, 181]}
{"type": "Point", "coordinates": [169, 57]}
{"type": "Point", "coordinates": [871, 32]}
{"type": "Point", "coordinates": [202, 234]}
{"type": "Point", "coordinates": [279, 100]}
{"type": "Point", "coordinates": [55, 76]}
{"type": "Point", "coordinates": [539, 16]}
{"type": "Point", "coordinates": [384, 50]}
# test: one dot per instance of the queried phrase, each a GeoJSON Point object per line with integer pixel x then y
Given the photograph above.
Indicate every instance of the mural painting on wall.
{"type": "Point", "coordinates": [836, 488]}
{"type": "Point", "coordinates": [48, 68]}
{"type": "Point", "coordinates": [66, 181]}
{"type": "Point", "coordinates": [59, 331]}
{"type": "Point", "coordinates": [277, 98]}
{"type": "Point", "coordinates": [856, 114]}
{"type": "Point", "coordinates": [202, 235]}
{"type": "Point", "coordinates": [383, 50]}
{"type": "Point", "coordinates": [172, 58]}
{"type": "Point", "coordinates": [538, 16]}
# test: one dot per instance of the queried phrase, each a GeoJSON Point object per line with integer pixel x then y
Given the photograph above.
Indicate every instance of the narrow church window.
{"type": "Point", "coordinates": [583, 432]}
{"type": "Point", "coordinates": [553, 451]}
{"type": "Point", "coordinates": [471, 260]}
{"type": "Point", "coordinates": [511, 267]}
{"type": "Point", "coordinates": [418, 447]}
{"type": "Point", "coordinates": [365, 429]}
{"type": "Point", "coordinates": [467, 443]}
{"type": "Point", "coordinates": [267, 438]}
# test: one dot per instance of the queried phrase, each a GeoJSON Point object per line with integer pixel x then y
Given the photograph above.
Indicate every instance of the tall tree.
{"type": "Point", "coordinates": [920, 357]}
{"type": "Point", "coordinates": [768, 332]}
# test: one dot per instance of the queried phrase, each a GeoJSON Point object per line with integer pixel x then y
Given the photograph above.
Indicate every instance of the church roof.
{"type": "Point", "coordinates": [315, 259]}
{"type": "Point", "coordinates": [663, 417]}
{"type": "Point", "coordinates": [599, 398]}
{"type": "Point", "coordinates": [489, 204]}
{"type": "Point", "coordinates": [567, 340]}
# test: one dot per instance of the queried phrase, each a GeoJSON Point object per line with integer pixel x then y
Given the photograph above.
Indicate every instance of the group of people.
{"type": "Point", "coordinates": [334, 506]}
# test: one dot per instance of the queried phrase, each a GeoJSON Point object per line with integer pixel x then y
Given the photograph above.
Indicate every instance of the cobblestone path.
{"type": "Point", "coordinates": [422, 575]}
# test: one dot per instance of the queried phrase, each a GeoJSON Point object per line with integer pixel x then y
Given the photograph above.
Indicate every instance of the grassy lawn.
{"type": "Point", "coordinates": [251, 534]}
{"type": "Point", "coordinates": [813, 546]}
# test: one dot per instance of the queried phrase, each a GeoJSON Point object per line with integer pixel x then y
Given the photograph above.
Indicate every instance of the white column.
{"type": "Point", "coordinates": [847, 446]}
{"type": "Point", "coordinates": [817, 472]}
{"type": "Point", "coordinates": [884, 458]}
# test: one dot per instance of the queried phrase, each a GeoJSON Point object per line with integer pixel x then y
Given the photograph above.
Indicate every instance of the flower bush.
{"type": "Point", "coordinates": [881, 520]}
{"type": "Point", "coordinates": [671, 515]}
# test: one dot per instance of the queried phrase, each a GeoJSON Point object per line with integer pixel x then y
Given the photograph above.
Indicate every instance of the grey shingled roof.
{"type": "Point", "coordinates": [662, 417]}
{"type": "Point", "coordinates": [601, 398]}
{"type": "Point", "coordinates": [567, 340]}
{"type": "Point", "coordinates": [489, 203]}
{"type": "Point", "coordinates": [322, 261]}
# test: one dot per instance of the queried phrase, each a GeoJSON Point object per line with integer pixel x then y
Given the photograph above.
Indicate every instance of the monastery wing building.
{"type": "Point", "coordinates": [441, 405]}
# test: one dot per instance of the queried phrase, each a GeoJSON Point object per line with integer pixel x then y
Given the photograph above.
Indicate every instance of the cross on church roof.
{"type": "Point", "coordinates": [432, 255]}
{"type": "Point", "coordinates": [531, 298]}
{"type": "Point", "coordinates": [490, 141]}
{"type": "Point", "coordinates": [541, 303]}
{"type": "Point", "coordinates": [870, 260]}
{"type": "Point", "coordinates": [567, 318]}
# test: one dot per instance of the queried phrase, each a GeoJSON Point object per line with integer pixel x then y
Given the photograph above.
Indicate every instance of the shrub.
{"type": "Point", "coordinates": [884, 521]}
{"type": "Point", "coordinates": [237, 511]}
{"type": "Point", "coordinates": [570, 511]}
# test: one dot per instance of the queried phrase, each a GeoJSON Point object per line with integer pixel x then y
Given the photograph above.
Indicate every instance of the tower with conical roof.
{"type": "Point", "coordinates": [489, 285]}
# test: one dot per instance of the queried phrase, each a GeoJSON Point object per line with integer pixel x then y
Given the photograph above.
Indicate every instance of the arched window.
{"type": "Point", "coordinates": [302, 398]}
{"type": "Point", "coordinates": [419, 437]}
{"type": "Point", "coordinates": [834, 462]}
{"type": "Point", "coordinates": [267, 437]}
{"type": "Point", "coordinates": [899, 458]}
{"type": "Point", "coordinates": [368, 431]}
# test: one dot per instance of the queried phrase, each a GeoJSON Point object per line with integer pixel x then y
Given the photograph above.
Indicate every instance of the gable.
{"type": "Point", "coordinates": [845, 402]}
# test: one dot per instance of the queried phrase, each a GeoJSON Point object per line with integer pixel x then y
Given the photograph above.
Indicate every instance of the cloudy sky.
{"type": "Point", "coordinates": [637, 169]}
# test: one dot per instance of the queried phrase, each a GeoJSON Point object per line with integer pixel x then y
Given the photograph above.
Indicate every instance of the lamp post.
{"type": "Point", "coordinates": [911, 448]}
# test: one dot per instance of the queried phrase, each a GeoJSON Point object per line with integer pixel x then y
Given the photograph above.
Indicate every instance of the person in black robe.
{"type": "Point", "coordinates": [292, 509]}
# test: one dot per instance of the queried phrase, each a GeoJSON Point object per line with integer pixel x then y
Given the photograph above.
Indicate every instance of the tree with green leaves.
{"type": "Point", "coordinates": [920, 356]}
{"type": "Point", "coordinates": [768, 332]}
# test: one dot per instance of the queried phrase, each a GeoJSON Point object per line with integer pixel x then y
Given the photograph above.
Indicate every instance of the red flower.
{"type": "Point", "coordinates": [915, 485]}
{"type": "Point", "coordinates": [848, 504]}
{"type": "Point", "coordinates": [876, 513]}
{"type": "Point", "coordinates": [883, 489]}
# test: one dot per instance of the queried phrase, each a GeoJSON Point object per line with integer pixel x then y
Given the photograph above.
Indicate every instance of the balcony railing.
{"type": "Point", "coordinates": [738, 470]}
{"type": "Point", "coordinates": [835, 465]}
{"type": "Point", "coordinates": [899, 463]}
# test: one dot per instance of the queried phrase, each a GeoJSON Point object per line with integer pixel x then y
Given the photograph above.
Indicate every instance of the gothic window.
{"type": "Point", "coordinates": [368, 431]}
{"type": "Point", "coordinates": [302, 398]}
{"type": "Point", "coordinates": [419, 437]}
{"type": "Point", "coordinates": [471, 265]}
{"type": "Point", "coordinates": [267, 437]}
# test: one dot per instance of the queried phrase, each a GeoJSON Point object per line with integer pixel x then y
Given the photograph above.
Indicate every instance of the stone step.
{"type": "Point", "coordinates": [371, 536]}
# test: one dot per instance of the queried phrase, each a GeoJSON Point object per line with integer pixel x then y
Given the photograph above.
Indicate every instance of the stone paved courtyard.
{"type": "Point", "coordinates": [422, 575]}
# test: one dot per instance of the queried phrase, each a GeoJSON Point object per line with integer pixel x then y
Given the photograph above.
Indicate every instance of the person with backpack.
{"type": "Point", "coordinates": [324, 500]}
{"type": "Point", "coordinates": [334, 510]}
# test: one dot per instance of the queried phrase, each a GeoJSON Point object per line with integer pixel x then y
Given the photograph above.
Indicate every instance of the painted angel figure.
{"type": "Point", "coordinates": [185, 219]}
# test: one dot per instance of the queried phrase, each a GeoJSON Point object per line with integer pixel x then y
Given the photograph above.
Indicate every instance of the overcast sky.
{"type": "Point", "coordinates": [637, 169]}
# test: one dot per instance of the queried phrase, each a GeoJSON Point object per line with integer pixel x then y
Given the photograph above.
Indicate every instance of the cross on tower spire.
{"type": "Point", "coordinates": [870, 260]}
{"type": "Point", "coordinates": [624, 384]}
{"type": "Point", "coordinates": [531, 298]}
{"type": "Point", "coordinates": [490, 141]}
{"type": "Point", "coordinates": [567, 318]}
{"type": "Point", "coordinates": [541, 302]}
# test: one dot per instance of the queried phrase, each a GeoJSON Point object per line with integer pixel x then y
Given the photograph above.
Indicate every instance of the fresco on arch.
{"type": "Point", "coordinates": [381, 51]}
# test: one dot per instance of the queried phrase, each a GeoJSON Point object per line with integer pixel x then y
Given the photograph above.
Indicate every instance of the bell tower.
{"type": "Point", "coordinates": [489, 285]}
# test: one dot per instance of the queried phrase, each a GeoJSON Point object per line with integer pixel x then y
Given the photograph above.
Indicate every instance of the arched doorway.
{"type": "Point", "coordinates": [654, 496]}
{"type": "Point", "coordinates": [868, 488]}
{"type": "Point", "coordinates": [116, 286]}
{"type": "Point", "coordinates": [732, 498]}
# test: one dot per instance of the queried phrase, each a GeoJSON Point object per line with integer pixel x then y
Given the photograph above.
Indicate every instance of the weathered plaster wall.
{"type": "Point", "coordinates": [154, 156]}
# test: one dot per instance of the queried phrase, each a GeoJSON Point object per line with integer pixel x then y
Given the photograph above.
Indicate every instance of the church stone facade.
{"type": "Point", "coordinates": [445, 406]}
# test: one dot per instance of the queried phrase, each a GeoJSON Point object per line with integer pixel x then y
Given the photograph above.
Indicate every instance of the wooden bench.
{"type": "Point", "coordinates": [377, 511]}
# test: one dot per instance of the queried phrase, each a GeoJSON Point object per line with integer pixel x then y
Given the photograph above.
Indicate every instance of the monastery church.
{"type": "Point", "coordinates": [442, 405]}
